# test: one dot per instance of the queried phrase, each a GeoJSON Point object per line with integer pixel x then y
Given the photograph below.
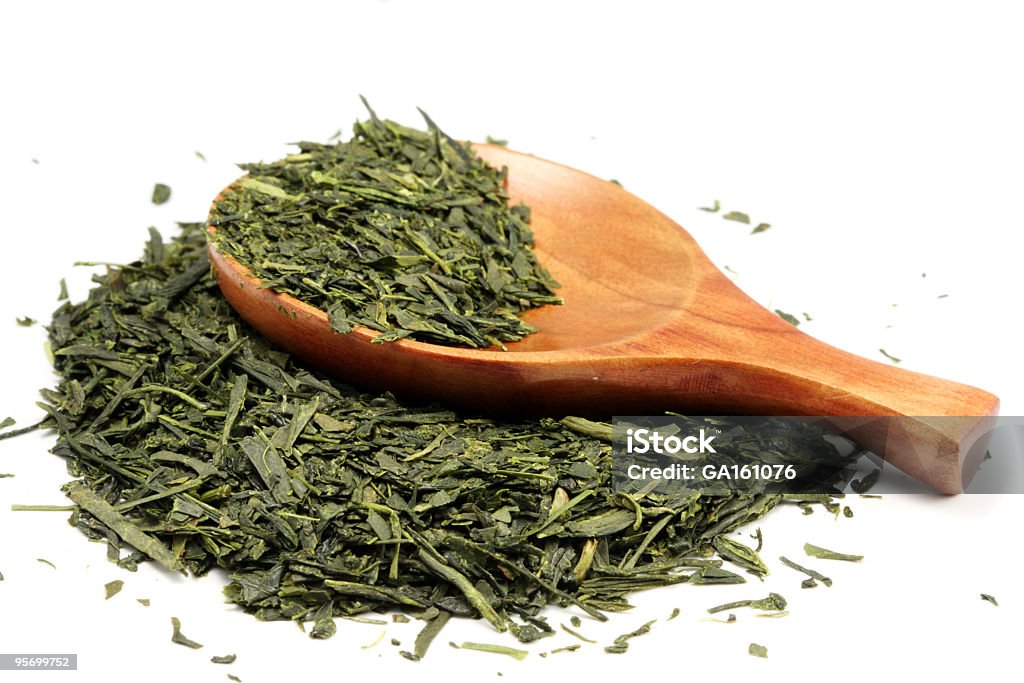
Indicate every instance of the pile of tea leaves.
{"type": "Point", "coordinates": [197, 444]}
{"type": "Point", "coordinates": [403, 231]}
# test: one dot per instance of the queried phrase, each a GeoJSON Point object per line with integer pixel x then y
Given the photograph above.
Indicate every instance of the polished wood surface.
{"type": "Point", "coordinates": [649, 324]}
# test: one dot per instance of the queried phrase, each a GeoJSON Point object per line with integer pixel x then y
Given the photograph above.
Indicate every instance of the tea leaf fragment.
{"type": "Point", "coordinates": [178, 637]}
{"type": "Point", "coordinates": [161, 193]}
{"type": "Point", "coordinates": [826, 554]}
{"type": "Point", "coordinates": [112, 588]}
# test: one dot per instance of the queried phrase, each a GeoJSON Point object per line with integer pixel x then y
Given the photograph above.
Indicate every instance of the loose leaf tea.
{"type": "Point", "coordinates": [26, 321]}
{"type": "Point", "coordinates": [178, 637]}
{"type": "Point", "coordinates": [756, 650]}
{"type": "Point", "coordinates": [891, 357]}
{"type": "Point", "coordinates": [761, 227]}
{"type": "Point", "coordinates": [402, 231]}
{"type": "Point", "coordinates": [226, 659]}
{"type": "Point", "coordinates": [202, 446]}
{"type": "Point", "coordinates": [774, 602]}
{"type": "Point", "coordinates": [621, 643]}
{"type": "Point", "coordinates": [496, 649]}
{"type": "Point", "coordinates": [988, 598]}
{"type": "Point", "coordinates": [815, 576]}
{"type": "Point", "coordinates": [737, 216]}
{"type": "Point", "coordinates": [825, 554]}
{"type": "Point", "coordinates": [113, 588]}
{"type": "Point", "coordinates": [788, 317]}
{"type": "Point", "coordinates": [161, 193]}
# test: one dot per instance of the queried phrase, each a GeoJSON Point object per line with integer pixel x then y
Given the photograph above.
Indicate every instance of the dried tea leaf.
{"type": "Point", "coordinates": [756, 650]}
{"type": "Point", "coordinates": [143, 601]}
{"type": "Point", "coordinates": [161, 193]}
{"type": "Point", "coordinates": [737, 216]}
{"type": "Point", "coordinates": [113, 588]}
{"type": "Point", "coordinates": [712, 209]}
{"type": "Point", "coordinates": [774, 601]}
{"type": "Point", "coordinates": [825, 554]}
{"type": "Point", "coordinates": [576, 634]}
{"type": "Point", "coordinates": [46, 562]}
{"type": "Point", "coordinates": [864, 484]}
{"type": "Point", "coordinates": [894, 359]}
{"type": "Point", "coordinates": [988, 598]}
{"type": "Point", "coordinates": [401, 231]}
{"type": "Point", "coordinates": [744, 556]}
{"type": "Point", "coordinates": [225, 659]}
{"type": "Point", "coordinates": [761, 227]}
{"type": "Point", "coordinates": [621, 643]}
{"type": "Point", "coordinates": [788, 317]}
{"type": "Point", "coordinates": [26, 321]}
{"type": "Point", "coordinates": [427, 634]}
{"type": "Point", "coordinates": [179, 638]}
{"type": "Point", "coordinates": [496, 649]}
{"type": "Point", "coordinates": [809, 572]}
{"type": "Point", "coordinates": [196, 442]}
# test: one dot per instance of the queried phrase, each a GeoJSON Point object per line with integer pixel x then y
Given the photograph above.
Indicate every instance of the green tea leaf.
{"type": "Point", "coordinates": [178, 637]}
{"type": "Point", "coordinates": [161, 193]}
{"type": "Point", "coordinates": [825, 554]}
{"type": "Point", "coordinates": [496, 649]}
{"type": "Point", "coordinates": [113, 588]}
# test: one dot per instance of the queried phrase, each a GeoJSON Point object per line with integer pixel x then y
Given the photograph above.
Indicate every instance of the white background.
{"type": "Point", "coordinates": [881, 140]}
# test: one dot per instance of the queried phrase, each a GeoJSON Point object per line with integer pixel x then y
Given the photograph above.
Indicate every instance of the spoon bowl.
{"type": "Point", "coordinates": [649, 324]}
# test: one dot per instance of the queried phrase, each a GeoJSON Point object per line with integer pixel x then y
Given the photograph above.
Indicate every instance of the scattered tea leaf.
{"type": "Point", "coordinates": [429, 631]}
{"type": "Point", "coordinates": [761, 227]}
{"type": "Point", "coordinates": [758, 650]}
{"type": "Point", "coordinates": [63, 290]}
{"type": "Point", "coordinates": [621, 643]}
{"type": "Point", "coordinates": [567, 648]}
{"type": "Point", "coordinates": [894, 359]}
{"type": "Point", "coordinates": [496, 649]}
{"type": "Point", "coordinates": [809, 572]}
{"type": "Point", "coordinates": [576, 634]}
{"type": "Point", "coordinates": [46, 562]}
{"type": "Point", "coordinates": [774, 601]}
{"type": "Point", "coordinates": [788, 317]}
{"type": "Point", "coordinates": [988, 598]}
{"type": "Point", "coordinates": [224, 659]}
{"type": "Point", "coordinates": [864, 484]}
{"type": "Point", "coordinates": [674, 614]}
{"type": "Point", "coordinates": [161, 193]}
{"type": "Point", "coordinates": [712, 209]}
{"type": "Point", "coordinates": [825, 554]}
{"type": "Point", "coordinates": [200, 155]}
{"type": "Point", "coordinates": [179, 638]}
{"type": "Point", "coordinates": [112, 588]}
{"type": "Point", "coordinates": [497, 141]}
{"type": "Point", "coordinates": [737, 216]}
{"type": "Point", "coordinates": [26, 321]}
{"type": "Point", "coordinates": [143, 601]}
{"type": "Point", "coordinates": [740, 554]}
{"type": "Point", "coordinates": [847, 511]}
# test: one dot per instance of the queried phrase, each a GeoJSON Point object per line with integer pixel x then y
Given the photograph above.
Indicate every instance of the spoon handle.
{"type": "Point", "coordinates": [933, 429]}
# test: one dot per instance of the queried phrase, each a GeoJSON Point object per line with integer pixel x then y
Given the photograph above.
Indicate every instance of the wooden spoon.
{"type": "Point", "coordinates": [649, 324]}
